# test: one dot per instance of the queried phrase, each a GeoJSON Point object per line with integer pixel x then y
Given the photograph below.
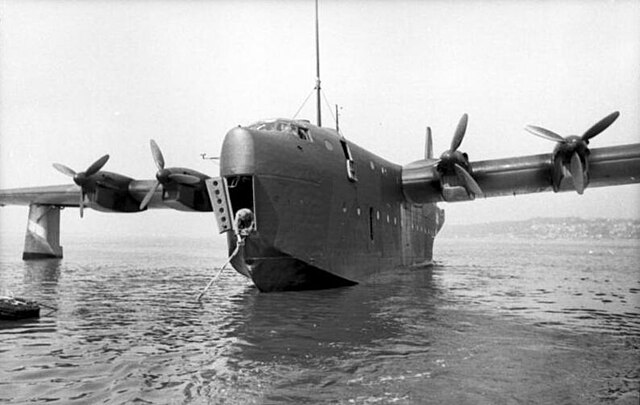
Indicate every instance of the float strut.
{"type": "Point", "coordinates": [42, 239]}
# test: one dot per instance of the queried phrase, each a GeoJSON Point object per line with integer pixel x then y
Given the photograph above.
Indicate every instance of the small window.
{"type": "Point", "coordinates": [303, 133]}
{"type": "Point", "coordinates": [285, 127]}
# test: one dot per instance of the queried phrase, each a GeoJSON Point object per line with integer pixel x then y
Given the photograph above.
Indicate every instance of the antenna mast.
{"type": "Point", "coordinates": [318, 103]}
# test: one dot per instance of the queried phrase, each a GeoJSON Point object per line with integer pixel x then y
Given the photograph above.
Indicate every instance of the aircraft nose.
{"type": "Point", "coordinates": [238, 153]}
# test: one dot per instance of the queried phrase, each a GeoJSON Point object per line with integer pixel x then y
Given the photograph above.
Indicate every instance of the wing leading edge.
{"type": "Point", "coordinates": [608, 166]}
{"type": "Point", "coordinates": [105, 196]}
{"type": "Point", "coordinates": [67, 195]}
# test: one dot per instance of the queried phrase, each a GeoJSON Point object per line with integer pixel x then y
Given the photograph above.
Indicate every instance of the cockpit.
{"type": "Point", "coordinates": [295, 128]}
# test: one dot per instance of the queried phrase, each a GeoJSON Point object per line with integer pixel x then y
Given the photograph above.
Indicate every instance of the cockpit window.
{"type": "Point", "coordinates": [283, 126]}
{"type": "Point", "coordinates": [265, 126]}
{"type": "Point", "coordinates": [303, 133]}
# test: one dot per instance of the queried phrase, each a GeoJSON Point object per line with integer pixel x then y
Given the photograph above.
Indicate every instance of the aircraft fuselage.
{"type": "Point", "coordinates": [326, 212]}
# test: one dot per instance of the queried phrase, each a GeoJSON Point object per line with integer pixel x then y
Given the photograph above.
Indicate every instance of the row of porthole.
{"type": "Point", "coordinates": [395, 219]}
{"type": "Point", "coordinates": [383, 169]}
{"type": "Point", "coordinates": [419, 228]}
{"type": "Point", "coordinates": [359, 212]}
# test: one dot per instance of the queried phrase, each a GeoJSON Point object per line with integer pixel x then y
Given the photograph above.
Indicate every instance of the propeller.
{"type": "Point", "coordinates": [82, 179]}
{"type": "Point", "coordinates": [468, 180]}
{"type": "Point", "coordinates": [577, 171]}
{"type": "Point", "coordinates": [454, 162]}
{"type": "Point", "coordinates": [572, 151]}
{"type": "Point", "coordinates": [164, 175]}
{"type": "Point", "coordinates": [596, 129]}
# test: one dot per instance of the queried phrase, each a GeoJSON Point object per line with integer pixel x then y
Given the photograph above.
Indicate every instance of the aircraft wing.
{"type": "Point", "coordinates": [182, 189]}
{"type": "Point", "coordinates": [123, 199]}
{"type": "Point", "coordinates": [67, 195]}
{"type": "Point", "coordinates": [174, 187]}
{"type": "Point", "coordinates": [423, 182]}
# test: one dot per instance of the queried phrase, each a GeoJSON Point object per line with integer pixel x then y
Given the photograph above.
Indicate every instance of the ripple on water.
{"type": "Point", "coordinates": [490, 329]}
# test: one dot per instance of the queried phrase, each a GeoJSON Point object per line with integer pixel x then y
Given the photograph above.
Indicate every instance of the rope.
{"type": "Point", "coordinates": [53, 309]}
{"type": "Point", "coordinates": [303, 104]}
{"type": "Point", "coordinates": [328, 106]}
{"type": "Point", "coordinates": [214, 278]}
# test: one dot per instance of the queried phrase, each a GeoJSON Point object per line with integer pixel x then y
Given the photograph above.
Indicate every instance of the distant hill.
{"type": "Point", "coordinates": [550, 228]}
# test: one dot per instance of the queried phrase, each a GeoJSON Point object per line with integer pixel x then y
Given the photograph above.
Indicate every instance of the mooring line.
{"type": "Point", "coordinates": [214, 278]}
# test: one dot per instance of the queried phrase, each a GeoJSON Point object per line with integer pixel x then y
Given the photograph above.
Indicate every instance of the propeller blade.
{"type": "Point", "coordinates": [149, 195]}
{"type": "Point", "coordinates": [468, 180]}
{"type": "Point", "coordinates": [600, 126]}
{"type": "Point", "coordinates": [428, 146]}
{"type": "Point", "coordinates": [577, 173]}
{"type": "Point", "coordinates": [459, 134]}
{"type": "Point", "coordinates": [81, 203]}
{"type": "Point", "coordinates": [64, 169]}
{"type": "Point", "coordinates": [157, 155]}
{"type": "Point", "coordinates": [184, 178]}
{"type": "Point", "coordinates": [96, 166]}
{"type": "Point", "coordinates": [545, 133]}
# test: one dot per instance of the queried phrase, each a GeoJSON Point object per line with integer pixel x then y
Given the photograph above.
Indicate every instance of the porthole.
{"type": "Point", "coordinates": [328, 145]}
{"type": "Point", "coordinates": [373, 167]}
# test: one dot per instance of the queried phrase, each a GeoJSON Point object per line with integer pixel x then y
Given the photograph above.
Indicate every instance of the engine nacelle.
{"type": "Point", "coordinates": [186, 198]}
{"type": "Point", "coordinates": [110, 200]}
{"type": "Point", "coordinates": [109, 192]}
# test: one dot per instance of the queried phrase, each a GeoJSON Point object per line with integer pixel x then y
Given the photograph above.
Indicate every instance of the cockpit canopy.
{"type": "Point", "coordinates": [298, 129]}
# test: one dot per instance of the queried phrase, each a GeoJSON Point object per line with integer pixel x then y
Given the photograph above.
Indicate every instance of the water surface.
{"type": "Point", "coordinates": [494, 322]}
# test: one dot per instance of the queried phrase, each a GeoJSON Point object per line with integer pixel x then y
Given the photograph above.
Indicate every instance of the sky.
{"type": "Point", "coordinates": [81, 79]}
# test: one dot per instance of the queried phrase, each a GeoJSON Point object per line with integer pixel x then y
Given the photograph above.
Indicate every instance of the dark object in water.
{"type": "Point", "coordinates": [18, 308]}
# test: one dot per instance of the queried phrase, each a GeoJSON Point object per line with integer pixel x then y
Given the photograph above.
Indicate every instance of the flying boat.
{"type": "Point", "coordinates": [303, 207]}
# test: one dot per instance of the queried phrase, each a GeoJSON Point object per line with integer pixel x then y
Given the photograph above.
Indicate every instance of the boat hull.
{"type": "Point", "coordinates": [325, 213]}
{"type": "Point", "coordinates": [271, 270]}
{"type": "Point", "coordinates": [18, 308]}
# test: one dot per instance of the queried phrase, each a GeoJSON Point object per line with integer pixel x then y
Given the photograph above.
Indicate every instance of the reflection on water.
{"type": "Point", "coordinates": [480, 327]}
{"type": "Point", "coordinates": [43, 273]}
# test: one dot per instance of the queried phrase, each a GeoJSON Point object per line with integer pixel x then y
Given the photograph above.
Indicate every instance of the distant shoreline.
{"type": "Point", "coordinates": [550, 228]}
{"type": "Point", "coordinates": [535, 228]}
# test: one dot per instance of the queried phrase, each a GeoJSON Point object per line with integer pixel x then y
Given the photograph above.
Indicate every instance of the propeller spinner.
{"type": "Point", "coordinates": [83, 179]}
{"type": "Point", "coordinates": [165, 176]}
{"type": "Point", "coordinates": [572, 152]}
{"type": "Point", "coordinates": [455, 163]}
